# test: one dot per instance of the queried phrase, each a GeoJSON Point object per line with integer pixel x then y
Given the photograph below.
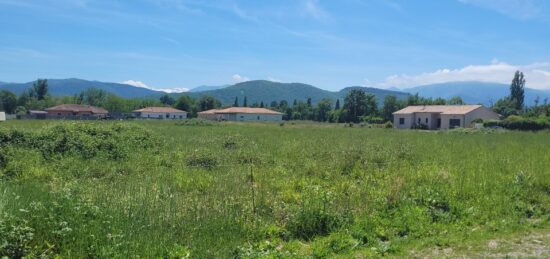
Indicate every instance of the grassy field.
{"type": "Point", "coordinates": [203, 190]}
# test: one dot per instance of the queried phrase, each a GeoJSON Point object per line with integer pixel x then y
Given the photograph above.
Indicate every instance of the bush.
{"type": "Point", "coordinates": [388, 125]}
{"type": "Point", "coordinates": [195, 122]}
{"type": "Point", "coordinates": [312, 222]}
{"type": "Point", "coordinates": [201, 160]}
{"type": "Point", "coordinates": [520, 123]}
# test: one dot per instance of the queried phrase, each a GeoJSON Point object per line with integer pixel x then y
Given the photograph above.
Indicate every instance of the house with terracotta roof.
{"type": "Point", "coordinates": [441, 116]}
{"type": "Point", "coordinates": [76, 111]}
{"type": "Point", "coordinates": [241, 114]}
{"type": "Point", "coordinates": [161, 113]}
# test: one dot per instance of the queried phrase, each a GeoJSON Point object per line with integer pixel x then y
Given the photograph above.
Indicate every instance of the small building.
{"type": "Point", "coordinates": [39, 115]}
{"type": "Point", "coordinates": [2, 116]}
{"type": "Point", "coordinates": [160, 113]}
{"type": "Point", "coordinates": [210, 115]}
{"type": "Point", "coordinates": [441, 116]}
{"type": "Point", "coordinates": [76, 111]}
{"type": "Point", "coordinates": [242, 114]}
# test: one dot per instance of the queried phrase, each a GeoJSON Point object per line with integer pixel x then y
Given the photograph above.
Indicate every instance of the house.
{"type": "Point", "coordinates": [2, 116]}
{"type": "Point", "coordinates": [160, 113]}
{"type": "Point", "coordinates": [242, 114]}
{"type": "Point", "coordinates": [76, 111]}
{"type": "Point", "coordinates": [441, 116]}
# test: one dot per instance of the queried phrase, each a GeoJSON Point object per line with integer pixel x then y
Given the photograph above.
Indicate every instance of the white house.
{"type": "Point", "coordinates": [442, 116]}
{"type": "Point", "coordinates": [168, 113]}
{"type": "Point", "coordinates": [2, 116]}
{"type": "Point", "coordinates": [241, 114]}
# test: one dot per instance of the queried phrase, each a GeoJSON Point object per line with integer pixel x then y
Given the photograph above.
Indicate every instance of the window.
{"type": "Point", "coordinates": [401, 121]}
{"type": "Point", "coordinates": [439, 123]}
{"type": "Point", "coordinates": [168, 116]}
{"type": "Point", "coordinates": [454, 123]}
{"type": "Point", "coordinates": [419, 120]}
{"type": "Point", "coordinates": [181, 116]}
{"type": "Point", "coordinates": [258, 117]}
{"type": "Point", "coordinates": [426, 120]}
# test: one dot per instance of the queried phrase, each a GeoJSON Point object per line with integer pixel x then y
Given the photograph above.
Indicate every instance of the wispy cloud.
{"type": "Point", "coordinates": [313, 9]}
{"type": "Point", "coordinates": [239, 79]}
{"type": "Point", "coordinates": [537, 75]}
{"type": "Point", "coordinates": [137, 83]}
{"type": "Point", "coordinates": [518, 9]}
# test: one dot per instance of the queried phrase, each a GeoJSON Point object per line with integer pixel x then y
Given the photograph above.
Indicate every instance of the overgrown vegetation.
{"type": "Point", "coordinates": [156, 189]}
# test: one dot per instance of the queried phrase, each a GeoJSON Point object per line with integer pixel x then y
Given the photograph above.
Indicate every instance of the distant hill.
{"type": "Point", "coordinates": [268, 91]}
{"type": "Point", "coordinates": [203, 88]}
{"type": "Point", "coordinates": [475, 92]}
{"type": "Point", "coordinates": [72, 86]}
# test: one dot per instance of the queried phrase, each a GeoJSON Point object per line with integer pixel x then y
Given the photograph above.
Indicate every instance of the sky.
{"type": "Point", "coordinates": [176, 45]}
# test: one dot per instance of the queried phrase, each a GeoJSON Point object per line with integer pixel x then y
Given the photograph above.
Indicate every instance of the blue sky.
{"type": "Point", "coordinates": [175, 44]}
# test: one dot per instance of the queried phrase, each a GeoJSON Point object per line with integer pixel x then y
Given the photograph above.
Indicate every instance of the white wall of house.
{"type": "Point", "coordinates": [446, 120]}
{"type": "Point", "coordinates": [163, 115]}
{"type": "Point", "coordinates": [402, 121]}
{"type": "Point", "coordinates": [252, 117]}
{"type": "Point", "coordinates": [483, 113]}
{"type": "Point", "coordinates": [2, 116]}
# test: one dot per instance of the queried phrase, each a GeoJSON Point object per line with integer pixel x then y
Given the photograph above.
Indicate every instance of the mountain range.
{"type": "Point", "coordinates": [267, 91]}
{"type": "Point", "coordinates": [476, 92]}
{"type": "Point", "coordinates": [72, 86]}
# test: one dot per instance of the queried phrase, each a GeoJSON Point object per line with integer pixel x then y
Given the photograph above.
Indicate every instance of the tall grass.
{"type": "Point", "coordinates": [257, 190]}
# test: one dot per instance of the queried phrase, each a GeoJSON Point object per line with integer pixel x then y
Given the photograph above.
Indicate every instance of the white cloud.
{"type": "Point", "coordinates": [272, 79]}
{"type": "Point", "coordinates": [143, 85]}
{"type": "Point", "coordinates": [239, 79]}
{"type": "Point", "coordinates": [537, 75]}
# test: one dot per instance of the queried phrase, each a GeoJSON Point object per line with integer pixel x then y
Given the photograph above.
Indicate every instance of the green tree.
{"type": "Point", "coordinates": [274, 104]}
{"type": "Point", "coordinates": [93, 96]}
{"type": "Point", "coordinates": [337, 105]}
{"type": "Point", "coordinates": [389, 107]}
{"type": "Point", "coordinates": [505, 107]}
{"type": "Point", "coordinates": [457, 100]}
{"type": "Point", "coordinates": [8, 101]}
{"type": "Point", "coordinates": [236, 103]}
{"type": "Point", "coordinates": [357, 104]}
{"type": "Point", "coordinates": [185, 103]}
{"type": "Point", "coordinates": [40, 89]}
{"type": "Point", "coordinates": [517, 91]}
{"type": "Point", "coordinates": [167, 100]}
{"type": "Point", "coordinates": [208, 102]}
{"type": "Point", "coordinates": [323, 110]}
{"type": "Point", "coordinates": [262, 104]}
{"type": "Point", "coordinates": [245, 102]}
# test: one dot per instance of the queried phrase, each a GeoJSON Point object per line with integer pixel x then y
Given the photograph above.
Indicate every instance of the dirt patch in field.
{"type": "Point", "coordinates": [535, 244]}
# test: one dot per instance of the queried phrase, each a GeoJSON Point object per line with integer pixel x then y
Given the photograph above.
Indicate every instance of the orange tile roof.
{"type": "Point", "coordinates": [247, 110]}
{"type": "Point", "coordinates": [443, 109]}
{"type": "Point", "coordinates": [77, 108]}
{"type": "Point", "coordinates": [159, 110]}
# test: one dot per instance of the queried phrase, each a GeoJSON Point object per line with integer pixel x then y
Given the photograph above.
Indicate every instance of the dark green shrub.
{"type": "Point", "coordinates": [311, 222]}
{"type": "Point", "coordinates": [195, 122]}
{"type": "Point", "coordinates": [15, 237]}
{"type": "Point", "coordinates": [520, 123]}
{"type": "Point", "coordinates": [202, 161]}
{"type": "Point", "coordinates": [388, 125]}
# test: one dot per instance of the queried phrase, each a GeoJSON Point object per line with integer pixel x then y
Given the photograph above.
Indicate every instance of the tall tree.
{"type": "Point", "coordinates": [337, 105]}
{"type": "Point", "coordinates": [236, 103]}
{"type": "Point", "coordinates": [208, 103]}
{"type": "Point", "coordinates": [390, 106]}
{"type": "Point", "coordinates": [517, 91]}
{"type": "Point", "coordinates": [8, 101]}
{"type": "Point", "coordinates": [262, 104]}
{"type": "Point", "coordinates": [323, 110]}
{"type": "Point", "coordinates": [93, 96]}
{"type": "Point", "coordinates": [245, 102]}
{"type": "Point", "coordinates": [185, 103]}
{"type": "Point", "coordinates": [40, 89]}
{"type": "Point", "coordinates": [167, 100]}
{"type": "Point", "coordinates": [457, 100]}
{"type": "Point", "coordinates": [308, 102]}
{"type": "Point", "coordinates": [357, 104]}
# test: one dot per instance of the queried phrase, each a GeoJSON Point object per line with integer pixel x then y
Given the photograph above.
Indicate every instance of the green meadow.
{"type": "Point", "coordinates": [235, 190]}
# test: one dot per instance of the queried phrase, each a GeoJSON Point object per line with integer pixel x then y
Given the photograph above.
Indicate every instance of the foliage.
{"type": "Point", "coordinates": [357, 104]}
{"type": "Point", "coordinates": [517, 91]}
{"type": "Point", "coordinates": [515, 122]}
{"type": "Point", "coordinates": [39, 89]}
{"type": "Point", "coordinates": [262, 190]}
{"type": "Point", "coordinates": [8, 101]}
